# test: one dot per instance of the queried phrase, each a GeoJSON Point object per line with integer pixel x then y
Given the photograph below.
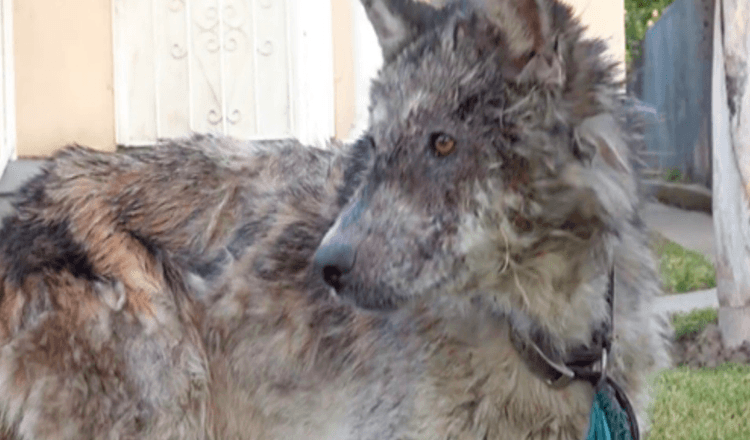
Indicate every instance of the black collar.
{"type": "Point", "coordinates": [586, 363]}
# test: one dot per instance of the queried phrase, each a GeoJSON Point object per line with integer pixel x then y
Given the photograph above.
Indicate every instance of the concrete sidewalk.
{"type": "Point", "coordinates": [692, 230]}
{"type": "Point", "coordinates": [5, 207]}
{"type": "Point", "coordinates": [16, 174]}
{"type": "Point", "coordinates": [686, 302]}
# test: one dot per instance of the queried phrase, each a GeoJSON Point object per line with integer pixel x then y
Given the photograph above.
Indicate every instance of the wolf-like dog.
{"type": "Point", "coordinates": [430, 281]}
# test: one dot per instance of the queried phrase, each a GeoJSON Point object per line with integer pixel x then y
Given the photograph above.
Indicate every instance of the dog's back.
{"type": "Point", "coordinates": [109, 267]}
{"type": "Point", "coordinates": [195, 290]}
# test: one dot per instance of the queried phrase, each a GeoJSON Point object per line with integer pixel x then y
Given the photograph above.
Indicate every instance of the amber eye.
{"type": "Point", "coordinates": [443, 144]}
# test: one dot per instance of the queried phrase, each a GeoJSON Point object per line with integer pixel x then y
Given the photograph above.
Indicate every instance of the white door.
{"type": "Point", "coordinates": [244, 68]}
{"type": "Point", "coordinates": [7, 87]}
{"type": "Point", "coordinates": [367, 60]}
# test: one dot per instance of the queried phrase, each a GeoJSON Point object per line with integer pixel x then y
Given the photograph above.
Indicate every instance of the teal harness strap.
{"type": "Point", "coordinates": [598, 423]}
{"type": "Point", "coordinates": [611, 417]}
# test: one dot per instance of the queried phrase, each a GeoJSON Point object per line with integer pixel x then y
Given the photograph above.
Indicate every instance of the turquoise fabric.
{"type": "Point", "coordinates": [598, 425]}
{"type": "Point", "coordinates": [608, 420]}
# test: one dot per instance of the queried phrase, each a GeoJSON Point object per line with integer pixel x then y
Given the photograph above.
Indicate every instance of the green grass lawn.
{"type": "Point", "coordinates": [703, 404]}
{"type": "Point", "coordinates": [699, 404]}
{"type": "Point", "coordinates": [682, 270]}
{"type": "Point", "coordinates": [685, 324]}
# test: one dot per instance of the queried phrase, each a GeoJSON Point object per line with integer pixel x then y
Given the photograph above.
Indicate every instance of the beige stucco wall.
{"type": "Point", "coordinates": [604, 19]}
{"type": "Point", "coordinates": [63, 56]}
{"type": "Point", "coordinates": [343, 66]}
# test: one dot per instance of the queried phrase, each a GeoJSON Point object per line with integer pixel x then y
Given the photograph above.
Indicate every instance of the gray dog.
{"type": "Point", "coordinates": [474, 267]}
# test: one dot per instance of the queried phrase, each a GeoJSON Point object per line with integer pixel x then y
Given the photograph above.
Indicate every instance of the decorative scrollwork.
{"type": "Point", "coordinates": [231, 16]}
{"type": "Point", "coordinates": [214, 117]}
{"type": "Point", "coordinates": [208, 29]}
{"type": "Point", "coordinates": [176, 5]}
{"type": "Point", "coordinates": [212, 44]}
{"type": "Point", "coordinates": [178, 51]}
{"type": "Point", "coordinates": [216, 31]}
{"type": "Point", "coordinates": [234, 117]}
{"type": "Point", "coordinates": [266, 49]}
{"type": "Point", "coordinates": [233, 32]}
{"type": "Point", "coordinates": [212, 14]}
{"type": "Point", "coordinates": [231, 43]}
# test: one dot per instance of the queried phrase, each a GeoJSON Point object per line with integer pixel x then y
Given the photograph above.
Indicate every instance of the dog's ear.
{"type": "Point", "coordinates": [599, 136]}
{"type": "Point", "coordinates": [397, 22]}
{"type": "Point", "coordinates": [531, 37]}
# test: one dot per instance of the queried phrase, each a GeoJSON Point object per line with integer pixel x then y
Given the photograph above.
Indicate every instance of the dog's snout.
{"type": "Point", "coordinates": [333, 261]}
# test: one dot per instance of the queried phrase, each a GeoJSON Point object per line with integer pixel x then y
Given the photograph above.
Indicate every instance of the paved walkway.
{"type": "Point", "coordinates": [692, 230]}
{"type": "Point", "coordinates": [17, 172]}
{"type": "Point", "coordinates": [5, 207]}
{"type": "Point", "coordinates": [686, 302]}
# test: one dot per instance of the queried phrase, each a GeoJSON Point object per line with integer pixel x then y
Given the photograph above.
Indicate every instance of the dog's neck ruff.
{"type": "Point", "coordinates": [611, 405]}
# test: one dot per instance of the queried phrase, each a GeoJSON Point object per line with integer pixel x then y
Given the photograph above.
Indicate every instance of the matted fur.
{"type": "Point", "coordinates": [171, 293]}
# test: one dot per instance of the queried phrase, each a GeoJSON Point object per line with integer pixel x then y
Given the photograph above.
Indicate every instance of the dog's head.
{"type": "Point", "coordinates": [494, 166]}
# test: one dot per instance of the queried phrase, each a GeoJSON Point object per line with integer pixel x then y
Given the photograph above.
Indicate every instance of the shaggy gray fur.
{"type": "Point", "coordinates": [217, 289]}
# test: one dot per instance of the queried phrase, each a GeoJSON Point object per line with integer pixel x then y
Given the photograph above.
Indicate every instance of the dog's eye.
{"type": "Point", "coordinates": [442, 144]}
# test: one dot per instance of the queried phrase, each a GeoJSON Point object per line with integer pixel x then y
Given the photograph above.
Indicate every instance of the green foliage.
{"type": "Point", "coordinates": [688, 324]}
{"type": "Point", "coordinates": [673, 175]}
{"type": "Point", "coordinates": [638, 14]}
{"type": "Point", "coordinates": [682, 270]}
{"type": "Point", "coordinates": [704, 404]}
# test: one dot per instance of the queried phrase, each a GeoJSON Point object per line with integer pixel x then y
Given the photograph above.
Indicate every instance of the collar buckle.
{"type": "Point", "coordinates": [555, 374]}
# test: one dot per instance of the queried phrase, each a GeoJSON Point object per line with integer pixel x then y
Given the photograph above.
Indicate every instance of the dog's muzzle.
{"type": "Point", "coordinates": [333, 261]}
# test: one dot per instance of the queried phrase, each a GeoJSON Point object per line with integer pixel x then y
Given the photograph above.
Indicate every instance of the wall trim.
{"type": "Point", "coordinates": [8, 86]}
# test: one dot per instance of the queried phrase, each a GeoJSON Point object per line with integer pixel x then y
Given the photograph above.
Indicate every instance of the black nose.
{"type": "Point", "coordinates": [333, 261]}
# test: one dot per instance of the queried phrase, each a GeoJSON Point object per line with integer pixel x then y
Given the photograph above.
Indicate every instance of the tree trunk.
{"type": "Point", "coordinates": [731, 167]}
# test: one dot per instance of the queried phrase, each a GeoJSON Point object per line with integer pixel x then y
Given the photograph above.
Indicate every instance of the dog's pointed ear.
{"type": "Point", "coordinates": [531, 36]}
{"type": "Point", "coordinates": [397, 22]}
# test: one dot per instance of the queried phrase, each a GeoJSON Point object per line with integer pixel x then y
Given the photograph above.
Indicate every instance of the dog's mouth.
{"type": "Point", "coordinates": [379, 298]}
